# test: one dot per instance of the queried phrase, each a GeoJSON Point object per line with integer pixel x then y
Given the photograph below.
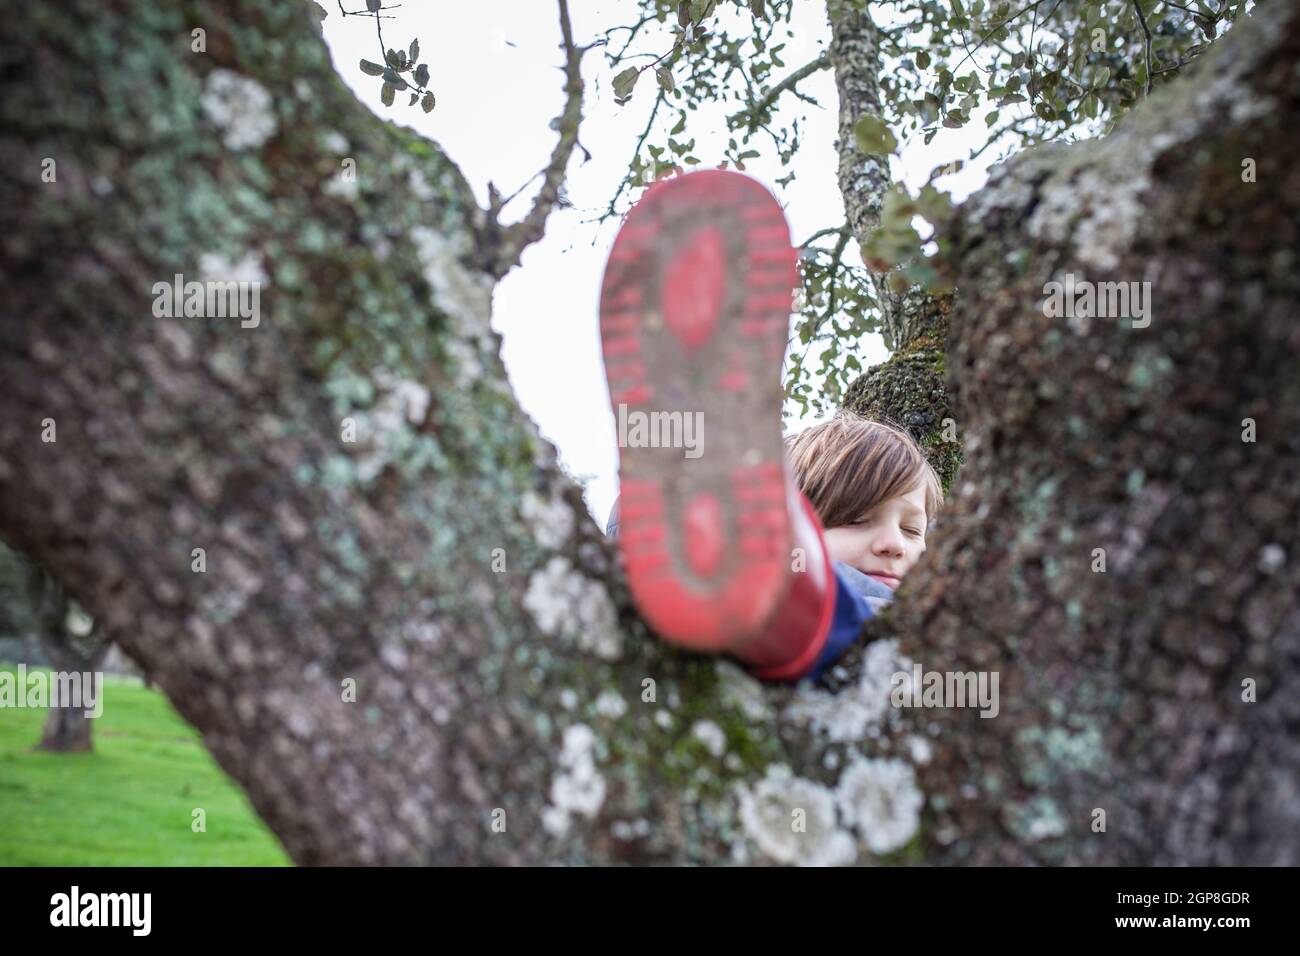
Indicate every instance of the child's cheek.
{"type": "Point", "coordinates": [839, 544]}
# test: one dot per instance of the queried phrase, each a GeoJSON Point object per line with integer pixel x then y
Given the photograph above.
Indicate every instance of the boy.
{"type": "Point", "coordinates": [724, 551]}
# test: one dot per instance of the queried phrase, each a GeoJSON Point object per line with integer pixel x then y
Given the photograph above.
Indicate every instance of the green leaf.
{"type": "Point", "coordinates": [391, 77]}
{"type": "Point", "coordinates": [371, 69]}
{"type": "Point", "coordinates": [415, 50]}
{"type": "Point", "coordinates": [414, 97]}
{"type": "Point", "coordinates": [756, 8]}
{"type": "Point", "coordinates": [665, 78]}
{"type": "Point", "coordinates": [374, 5]}
{"type": "Point", "coordinates": [393, 59]}
{"type": "Point", "coordinates": [625, 82]}
{"type": "Point", "coordinates": [389, 91]}
{"type": "Point", "coordinates": [934, 204]}
{"type": "Point", "coordinates": [427, 103]}
{"type": "Point", "coordinates": [422, 75]}
{"type": "Point", "coordinates": [923, 60]}
{"type": "Point", "coordinates": [1103, 76]}
{"type": "Point", "coordinates": [873, 136]}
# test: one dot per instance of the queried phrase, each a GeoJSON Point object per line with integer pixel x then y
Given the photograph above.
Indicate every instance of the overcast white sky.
{"type": "Point", "coordinates": [495, 104]}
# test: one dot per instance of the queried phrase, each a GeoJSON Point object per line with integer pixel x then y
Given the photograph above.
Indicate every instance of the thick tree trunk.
{"type": "Point", "coordinates": [415, 647]}
{"type": "Point", "coordinates": [1163, 689]}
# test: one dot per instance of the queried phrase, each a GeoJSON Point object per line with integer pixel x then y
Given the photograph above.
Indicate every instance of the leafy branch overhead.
{"type": "Point", "coordinates": [1022, 72]}
{"type": "Point", "coordinates": [394, 63]}
{"type": "Point", "coordinates": [1026, 71]}
{"type": "Point", "coordinates": [498, 246]}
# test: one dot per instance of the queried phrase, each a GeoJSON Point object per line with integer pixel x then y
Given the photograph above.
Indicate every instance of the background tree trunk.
{"type": "Point", "coordinates": [509, 706]}
{"type": "Point", "coordinates": [67, 728]}
{"type": "Point", "coordinates": [909, 388]}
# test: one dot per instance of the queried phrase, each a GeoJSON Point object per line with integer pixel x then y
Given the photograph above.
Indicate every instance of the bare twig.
{"type": "Point", "coordinates": [756, 109]}
{"type": "Point", "coordinates": [632, 32]}
{"type": "Point", "coordinates": [367, 13]}
{"type": "Point", "coordinates": [836, 258]}
{"type": "Point", "coordinates": [612, 209]}
{"type": "Point", "coordinates": [1146, 44]}
{"type": "Point", "coordinates": [501, 248]}
{"type": "Point", "coordinates": [996, 28]}
{"type": "Point", "coordinates": [821, 233]}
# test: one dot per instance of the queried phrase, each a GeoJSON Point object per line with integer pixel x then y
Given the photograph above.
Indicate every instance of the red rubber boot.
{"type": "Point", "coordinates": [694, 315]}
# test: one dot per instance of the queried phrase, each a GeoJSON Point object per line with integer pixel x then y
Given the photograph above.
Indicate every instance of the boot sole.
{"type": "Point", "coordinates": [694, 317]}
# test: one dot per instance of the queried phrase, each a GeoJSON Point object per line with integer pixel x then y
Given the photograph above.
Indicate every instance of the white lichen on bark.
{"type": "Point", "coordinates": [462, 293]}
{"type": "Point", "coordinates": [578, 789]}
{"type": "Point", "coordinates": [551, 519]}
{"type": "Point", "coordinates": [858, 711]}
{"type": "Point", "coordinates": [880, 799]}
{"type": "Point", "coordinates": [610, 703]}
{"type": "Point", "coordinates": [711, 735]}
{"type": "Point", "coordinates": [564, 602]}
{"type": "Point", "coordinates": [793, 820]}
{"type": "Point", "coordinates": [215, 267]}
{"type": "Point", "coordinates": [240, 107]}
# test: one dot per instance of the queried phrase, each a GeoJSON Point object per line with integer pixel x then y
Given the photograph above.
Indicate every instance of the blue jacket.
{"type": "Point", "coordinates": [858, 598]}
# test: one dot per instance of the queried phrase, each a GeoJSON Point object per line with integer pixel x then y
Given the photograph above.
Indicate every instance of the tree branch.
{"type": "Point", "coordinates": [500, 249]}
{"type": "Point", "coordinates": [1146, 43]}
{"type": "Point", "coordinates": [755, 110]}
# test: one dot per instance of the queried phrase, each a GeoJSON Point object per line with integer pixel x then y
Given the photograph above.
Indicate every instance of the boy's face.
{"type": "Point", "coordinates": [885, 542]}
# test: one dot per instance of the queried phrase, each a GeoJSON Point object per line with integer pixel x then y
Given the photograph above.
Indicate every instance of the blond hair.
{"type": "Point", "coordinates": [849, 464]}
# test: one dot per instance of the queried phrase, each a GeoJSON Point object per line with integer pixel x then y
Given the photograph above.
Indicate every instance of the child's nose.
{"type": "Point", "coordinates": [889, 542]}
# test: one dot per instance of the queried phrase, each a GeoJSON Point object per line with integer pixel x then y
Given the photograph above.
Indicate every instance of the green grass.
{"type": "Point", "coordinates": [129, 803]}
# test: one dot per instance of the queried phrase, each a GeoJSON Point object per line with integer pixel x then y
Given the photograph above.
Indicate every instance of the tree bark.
{"type": "Point", "coordinates": [67, 728]}
{"type": "Point", "coordinates": [1132, 690]}
{"type": "Point", "coordinates": [908, 389]}
{"type": "Point", "coordinates": [509, 706]}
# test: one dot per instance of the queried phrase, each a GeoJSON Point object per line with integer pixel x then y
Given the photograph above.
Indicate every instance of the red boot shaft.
{"type": "Point", "coordinates": [790, 644]}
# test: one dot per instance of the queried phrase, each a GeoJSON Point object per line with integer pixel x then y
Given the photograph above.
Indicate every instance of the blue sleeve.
{"type": "Point", "coordinates": [858, 598]}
